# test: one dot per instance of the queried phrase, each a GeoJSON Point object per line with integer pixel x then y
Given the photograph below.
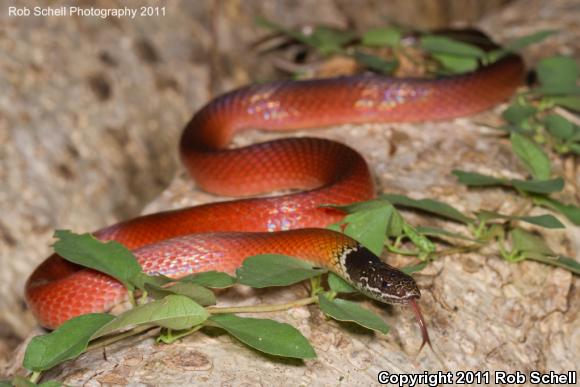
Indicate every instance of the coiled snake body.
{"type": "Point", "coordinates": [219, 236]}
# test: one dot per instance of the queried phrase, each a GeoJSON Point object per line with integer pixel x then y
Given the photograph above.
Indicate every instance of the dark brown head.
{"type": "Point", "coordinates": [376, 279]}
{"type": "Point", "coordinates": [382, 282]}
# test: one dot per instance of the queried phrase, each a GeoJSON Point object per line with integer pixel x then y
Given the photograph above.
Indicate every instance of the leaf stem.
{"type": "Point", "coordinates": [35, 376]}
{"type": "Point", "coordinates": [263, 308]}
{"type": "Point", "coordinates": [113, 339]}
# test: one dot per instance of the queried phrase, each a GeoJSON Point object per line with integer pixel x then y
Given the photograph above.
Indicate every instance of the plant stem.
{"type": "Point", "coordinates": [113, 339]}
{"type": "Point", "coordinates": [263, 308]}
{"type": "Point", "coordinates": [457, 250]}
{"type": "Point", "coordinates": [35, 376]}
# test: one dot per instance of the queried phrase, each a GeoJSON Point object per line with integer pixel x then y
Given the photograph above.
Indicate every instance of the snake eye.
{"type": "Point", "coordinates": [385, 284]}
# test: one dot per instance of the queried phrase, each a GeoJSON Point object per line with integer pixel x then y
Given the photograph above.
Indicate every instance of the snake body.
{"type": "Point", "coordinates": [219, 236]}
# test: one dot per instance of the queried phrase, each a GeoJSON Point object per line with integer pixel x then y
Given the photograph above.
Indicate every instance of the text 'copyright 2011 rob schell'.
{"type": "Point", "coordinates": [426, 378]}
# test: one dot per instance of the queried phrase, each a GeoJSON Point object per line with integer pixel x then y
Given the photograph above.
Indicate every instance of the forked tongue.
{"type": "Point", "coordinates": [419, 316]}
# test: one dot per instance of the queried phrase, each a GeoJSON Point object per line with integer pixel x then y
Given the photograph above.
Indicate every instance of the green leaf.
{"type": "Point", "coordinates": [575, 148]}
{"type": "Point", "coordinates": [527, 40]}
{"type": "Point", "coordinates": [533, 186]}
{"type": "Point", "coordinates": [329, 40]}
{"type": "Point", "coordinates": [428, 205]}
{"type": "Point", "coordinates": [532, 156]}
{"type": "Point", "coordinates": [20, 381]}
{"type": "Point", "coordinates": [267, 336]}
{"type": "Point", "coordinates": [376, 63]}
{"type": "Point", "coordinates": [51, 383]}
{"type": "Point", "coordinates": [368, 223]}
{"type": "Point", "coordinates": [111, 258]}
{"type": "Point", "coordinates": [559, 127]}
{"type": "Point", "coordinates": [570, 211]}
{"type": "Point", "coordinates": [423, 243]}
{"type": "Point", "coordinates": [65, 343]}
{"type": "Point", "coordinates": [442, 45]}
{"type": "Point", "coordinates": [519, 44]}
{"type": "Point", "coordinates": [197, 293]}
{"type": "Point", "coordinates": [382, 36]}
{"type": "Point", "coordinates": [539, 186]}
{"type": "Point", "coordinates": [457, 64]}
{"type": "Point", "coordinates": [266, 270]}
{"type": "Point", "coordinates": [210, 279]}
{"type": "Point", "coordinates": [339, 285]}
{"type": "Point", "coordinates": [369, 227]}
{"type": "Point", "coordinates": [343, 310]}
{"type": "Point", "coordinates": [518, 113]}
{"type": "Point", "coordinates": [526, 242]}
{"type": "Point", "coordinates": [561, 261]}
{"type": "Point", "coordinates": [557, 75]}
{"type": "Point", "coordinates": [415, 268]}
{"type": "Point", "coordinates": [174, 312]}
{"type": "Point", "coordinates": [476, 179]}
{"type": "Point", "coordinates": [571, 102]}
{"type": "Point", "coordinates": [546, 220]}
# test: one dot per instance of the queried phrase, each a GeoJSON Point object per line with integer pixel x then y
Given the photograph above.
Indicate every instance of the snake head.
{"type": "Point", "coordinates": [377, 279]}
{"type": "Point", "coordinates": [383, 282]}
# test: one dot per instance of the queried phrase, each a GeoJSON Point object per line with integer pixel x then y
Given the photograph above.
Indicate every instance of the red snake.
{"type": "Point", "coordinates": [219, 236]}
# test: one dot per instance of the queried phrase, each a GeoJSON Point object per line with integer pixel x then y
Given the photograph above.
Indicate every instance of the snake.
{"type": "Point", "coordinates": [221, 235]}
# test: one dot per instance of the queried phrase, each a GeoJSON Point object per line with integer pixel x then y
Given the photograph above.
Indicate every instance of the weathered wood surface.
{"type": "Point", "coordinates": [484, 313]}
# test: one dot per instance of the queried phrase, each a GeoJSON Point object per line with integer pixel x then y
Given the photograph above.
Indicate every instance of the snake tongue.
{"type": "Point", "coordinates": [417, 311]}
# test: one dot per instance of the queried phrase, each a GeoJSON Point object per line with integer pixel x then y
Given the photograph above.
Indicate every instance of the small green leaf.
{"type": "Point", "coordinates": [518, 113]}
{"type": "Point", "coordinates": [339, 285]}
{"type": "Point", "coordinates": [265, 270]}
{"type": "Point", "coordinates": [546, 220]}
{"type": "Point", "coordinates": [267, 336]}
{"type": "Point", "coordinates": [476, 179]}
{"type": "Point", "coordinates": [532, 156]}
{"type": "Point", "coordinates": [527, 40]}
{"type": "Point", "coordinates": [557, 75]}
{"type": "Point", "coordinates": [457, 64]}
{"type": "Point", "coordinates": [533, 186]}
{"type": "Point", "coordinates": [564, 262]}
{"type": "Point", "coordinates": [571, 102]}
{"type": "Point", "coordinates": [174, 312]}
{"type": "Point", "coordinates": [423, 243]}
{"type": "Point", "coordinates": [369, 227]}
{"type": "Point", "coordinates": [329, 40]}
{"type": "Point", "coordinates": [376, 63]}
{"type": "Point", "coordinates": [428, 205]}
{"type": "Point", "coordinates": [575, 148]}
{"type": "Point", "coordinates": [526, 242]}
{"type": "Point", "coordinates": [197, 293]}
{"type": "Point", "coordinates": [559, 127]}
{"type": "Point", "coordinates": [382, 36]}
{"type": "Point", "coordinates": [570, 211]}
{"type": "Point", "coordinates": [368, 223]}
{"type": "Point", "coordinates": [343, 310]}
{"type": "Point", "coordinates": [65, 343]}
{"type": "Point", "coordinates": [539, 186]}
{"type": "Point", "coordinates": [111, 258]}
{"type": "Point", "coordinates": [442, 45]}
{"type": "Point", "coordinates": [415, 268]}
{"type": "Point", "coordinates": [51, 383]}
{"type": "Point", "coordinates": [210, 279]}
{"type": "Point", "coordinates": [19, 381]}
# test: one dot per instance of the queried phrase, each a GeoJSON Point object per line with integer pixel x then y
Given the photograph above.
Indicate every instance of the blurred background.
{"type": "Point", "coordinates": [91, 109]}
